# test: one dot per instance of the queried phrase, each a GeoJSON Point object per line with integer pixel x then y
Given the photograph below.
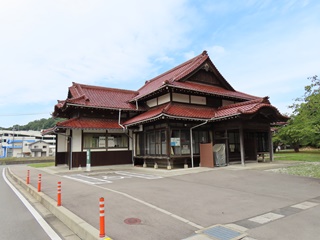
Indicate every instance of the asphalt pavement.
{"type": "Point", "coordinates": [146, 203]}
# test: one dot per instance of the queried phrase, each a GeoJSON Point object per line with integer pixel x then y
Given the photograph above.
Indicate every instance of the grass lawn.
{"type": "Point", "coordinates": [303, 155]}
{"type": "Point", "coordinates": [311, 169]}
{"type": "Point", "coordinates": [310, 166]}
{"type": "Point", "coordinates": [41, 165]}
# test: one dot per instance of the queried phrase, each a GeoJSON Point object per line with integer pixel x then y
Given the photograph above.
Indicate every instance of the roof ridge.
{"type": "Point", "coordinates": [204, 53]}
{"type": "Point", "coordinates": [106, 88]}
{"type": "Point", "coordinates": [196, 59]}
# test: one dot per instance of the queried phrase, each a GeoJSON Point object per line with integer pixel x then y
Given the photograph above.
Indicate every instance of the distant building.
{"type": "Point", "coordinates": [19, 143]}
{"type": "Point", "coordinates": [41, 149]}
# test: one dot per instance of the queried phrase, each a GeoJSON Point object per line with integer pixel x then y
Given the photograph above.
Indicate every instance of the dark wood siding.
{"type": "Point", "coordinates": [61, 158]}
{"type": "Point", "coordinates": [97, 158]}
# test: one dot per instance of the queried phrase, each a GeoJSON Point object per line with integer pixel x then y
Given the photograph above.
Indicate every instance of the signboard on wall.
{"type": "Point", "coordinates": [175, 142]}
{"type": "Point", "coordinates": [185, 149]}
{"type": "Point", "coordinates": [110, 141]}
{"type": "Point", "coordinates": [102, 141]}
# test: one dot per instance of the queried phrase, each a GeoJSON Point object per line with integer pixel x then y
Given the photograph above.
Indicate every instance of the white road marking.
{"type": "Point", "coordinates": [268, 217]}
{"type": "Point", "coordinates": [109, 179]}
{"type": "Point", "coordinates": [46, 227]}
{"type": "Point", "coordinates": [106, 179]}
{"type": "Point", "coordinates": [305, 205]}
{"type": "Point", "coordinates": [154, 207]}
{"type": "Point", "coordinates": [138, 175]}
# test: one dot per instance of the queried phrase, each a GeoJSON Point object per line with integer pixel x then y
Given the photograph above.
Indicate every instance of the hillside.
{"type": "Point", "coordinates": [36, 125]}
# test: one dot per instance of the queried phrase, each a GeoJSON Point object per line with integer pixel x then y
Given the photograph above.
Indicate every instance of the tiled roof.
{"type": "Point", "coordinates": [89, 123]}
{"type": "Point", "coordinates": [100, 97]}
{"type": "Point", "coordinates": [174, 110]}
{"type": "Point", "coordinates": [214, 90]}
{"type": "Point", "coordinates": [248, 107]}
{"type": "Point", "coordinates": [176, 74]}
{"type": "Point", "coordinates": [202, 113]}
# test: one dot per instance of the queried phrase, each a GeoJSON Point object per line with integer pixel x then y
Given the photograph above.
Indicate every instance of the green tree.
{"type": "Point", "coordinates": [304, 126]}
{"type": "Point", "coordinates": [37, 125]}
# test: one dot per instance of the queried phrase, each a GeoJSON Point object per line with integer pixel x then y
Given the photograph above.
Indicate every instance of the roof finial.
{"type": "Point", "coordinates": [204, 52]}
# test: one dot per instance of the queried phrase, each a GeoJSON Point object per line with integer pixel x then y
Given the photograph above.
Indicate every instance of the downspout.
{"type": "Point", "coordinates": [137, 106]}
{"type": "Point", "coordinates": [124, 129]}
{"type": "Point", "coordinates": [119, 120]}
{"type": "Point", "coordinates": [191, 142]}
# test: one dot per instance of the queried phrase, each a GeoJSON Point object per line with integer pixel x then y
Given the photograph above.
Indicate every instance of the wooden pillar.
{"type": "Point", "coordinates": [241, 144]}
{"type": "Point", "coordinates": [270, 146]}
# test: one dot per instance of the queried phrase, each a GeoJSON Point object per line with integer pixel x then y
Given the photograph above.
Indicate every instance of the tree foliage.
{"type": "Point", "coordinates": [37, 125]}
{"type": "Point", "coordinates": [304, 126]}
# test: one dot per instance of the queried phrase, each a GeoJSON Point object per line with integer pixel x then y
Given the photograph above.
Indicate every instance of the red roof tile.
{"type": "Point", "coordinates": [214, 90]}
{"type": "Point", "coordinates": [89, 123]}
{"type": "Point", "coordinates": [178, 110]}
{"type": "Point", "coordinates": [202, 113]}
{"type": "Point", "coordinates": [100, 97]}
{"type": "Point", "coordinates": [248, 107]}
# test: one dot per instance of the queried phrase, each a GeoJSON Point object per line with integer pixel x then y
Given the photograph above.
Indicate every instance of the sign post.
{"type": "Point", "coordinates": [88, 160]}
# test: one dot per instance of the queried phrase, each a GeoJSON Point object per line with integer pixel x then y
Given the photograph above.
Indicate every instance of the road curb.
{"type": "Point", "coordinates": [76, 224]}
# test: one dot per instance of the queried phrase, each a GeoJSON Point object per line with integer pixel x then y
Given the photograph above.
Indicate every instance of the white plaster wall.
{"type": "Point", "coordinates": [62, 143]}
{"type": "Point", "coordinates": [25, 149]}
{"type": "Point", "coordinates": [198, 100]}
{"type": "Point", "coordinates": [178, 97]}
{"type": "Point", "coordinates": [164, 98]}
{"type": "Point", "coordinates": [152, 102]}
{"type": "Point", "coordinates": [76, 140]}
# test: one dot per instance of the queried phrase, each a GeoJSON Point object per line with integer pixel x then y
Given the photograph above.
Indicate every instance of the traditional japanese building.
{"type": "Point", "coordinates": [164, 123]}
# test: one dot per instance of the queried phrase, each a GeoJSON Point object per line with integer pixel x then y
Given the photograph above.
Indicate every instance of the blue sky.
{"type": "Point", "coordinates": [263, 48]}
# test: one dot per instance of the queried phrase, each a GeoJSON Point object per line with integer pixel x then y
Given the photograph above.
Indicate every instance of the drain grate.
{"type": "Point", "coordinates": [222, 233]}
{"type": "Point", "coordinates": [132, 221]}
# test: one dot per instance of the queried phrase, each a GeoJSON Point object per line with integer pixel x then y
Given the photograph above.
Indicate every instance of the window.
{"type": "Point", "coordinates": [44, 146]}
{"type": "Point", "coordinates": [94, 140]}
{"type": "Point", "coordinates": [234, 141]}
{"type": "Point", "coordinates": [140, 144]}
{"type": "Point", "coordinates": [199, 137]}
{"type": "Point", "coordinates": [118, 141]}
{"type": "Point", "coordinates": [156, 142]}
{"type": "Point", "coordinates": [180, 142]}
{"type": "Point", "coordinates": [262, 139]}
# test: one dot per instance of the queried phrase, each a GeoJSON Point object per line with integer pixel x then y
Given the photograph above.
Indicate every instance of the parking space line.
{"type": "Point", "coordinates": [138, 175]}
{"type": "Point", "coordinates": [186, 221]}
{"type": "Point", "coordinates": [92, 180]}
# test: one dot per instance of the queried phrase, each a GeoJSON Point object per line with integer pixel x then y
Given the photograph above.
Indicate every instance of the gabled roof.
{"type": "Point", "coordinates": [98, 97]}
{"type": "Point", "coordinates": [203, 113]}
{"type": "Point", "coordinates": [89, 123]}
{"type": "Point", "coordinates": [40, 141]}
{"type": "Point", "coordinates": [179, 73]}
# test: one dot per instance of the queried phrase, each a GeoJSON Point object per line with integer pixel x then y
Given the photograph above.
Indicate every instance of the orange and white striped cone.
{"type": "Point", "coordinates": [102, 225]}
{"type": "Point", "coordinates": [59, 194]}
{"type": "Point", "coordinates": [39, 183]}
{"type": "Point", "coordinates": [28, 177]}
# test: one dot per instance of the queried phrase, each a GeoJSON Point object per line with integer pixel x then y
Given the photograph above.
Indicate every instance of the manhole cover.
{"type": "Point", "coordinates": [132, 221]}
